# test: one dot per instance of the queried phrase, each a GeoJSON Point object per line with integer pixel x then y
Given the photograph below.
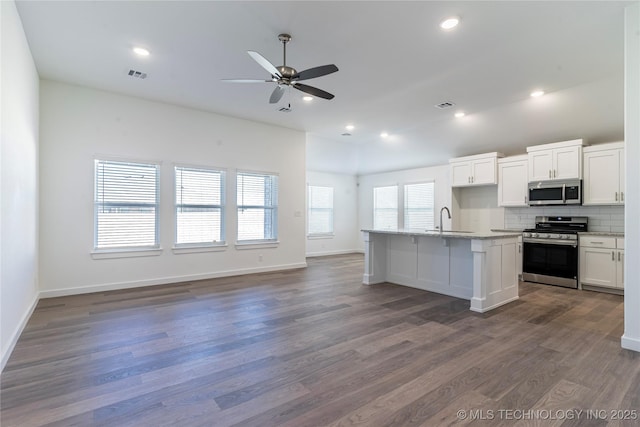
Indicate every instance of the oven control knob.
{"type": "Point", "coordinates": [526, 234]}
{"type": "Point", "coordinates": [555, 236]}
{"type": "Point", "coordinates": [564, 236]}
{"type": "Point", "coordinates": [534, 234]}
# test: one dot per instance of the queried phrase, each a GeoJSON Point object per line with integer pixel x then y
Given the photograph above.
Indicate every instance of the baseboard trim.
{"type": "Point", "coordinates": [328, 253]}
{"type": "Point", "coordinates": [18, 331]}
{"type": "Point", "coordinates": [166, 280]}
{"type": "Point", "coordinates": [630, 343]}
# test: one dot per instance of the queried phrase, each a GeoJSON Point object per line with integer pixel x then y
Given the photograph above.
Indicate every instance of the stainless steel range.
{"type": "Point", "coordinates": [550, 250]}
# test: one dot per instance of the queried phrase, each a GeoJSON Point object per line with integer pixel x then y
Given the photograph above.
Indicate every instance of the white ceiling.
{"type": "Point", "coordinates": [395, 65]}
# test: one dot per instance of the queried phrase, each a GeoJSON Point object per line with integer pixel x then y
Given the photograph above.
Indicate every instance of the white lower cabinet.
{"type": "Point", "coordinates": [602, 262]}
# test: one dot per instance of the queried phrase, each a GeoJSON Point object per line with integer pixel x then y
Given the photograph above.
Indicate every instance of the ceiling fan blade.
{"type": "Point", "coordinates": [264, 63]}
{"type": "Point", "coordinates": [314, 72]}
{"type": "Point", "coordinates": [313, 91]}
{"type": "Point", "coordinates": [245, 81]}
{"type": "Point", "coordinates": [276, 95]}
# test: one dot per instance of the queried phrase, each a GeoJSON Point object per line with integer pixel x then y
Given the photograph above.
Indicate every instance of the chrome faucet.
{"type": "Point", "coordinates": [448, 214]}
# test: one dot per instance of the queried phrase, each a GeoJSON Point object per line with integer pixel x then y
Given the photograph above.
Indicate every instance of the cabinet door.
{"type": "Point", "coordinates": [621, 169]}
{"type": "Point", "coordinates": [620, 269]}
{"type": "Point", "coordinates": [512, 184]}
{"type": "Point", "coordinates": [484, 171]}
{"type": "Point", "coordinates": [601, 180]}
{"type": "Point", "coordinates": [460, 174]}
{"type": "Point", "coordinates": [598, 267]}
{"type": "Point", "coordinates": [567, 162]}
{"type": "Point", "coordinates": [540, 165]}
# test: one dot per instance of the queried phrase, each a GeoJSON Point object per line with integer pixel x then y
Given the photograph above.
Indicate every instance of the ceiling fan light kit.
{"type": "Point", "coordinates": [285, 75]}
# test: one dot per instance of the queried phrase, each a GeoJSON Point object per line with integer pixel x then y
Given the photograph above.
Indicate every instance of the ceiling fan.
{"type": "Point", "coordinates": [287, 76]}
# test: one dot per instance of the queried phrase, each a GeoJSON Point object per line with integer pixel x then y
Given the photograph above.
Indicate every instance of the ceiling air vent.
{"type": "Point", "coordinates": [345, 134]}
{"type": "Point", "coordinates": [137, 74]}
{"type": "Point", "coordinates": [444, 105]}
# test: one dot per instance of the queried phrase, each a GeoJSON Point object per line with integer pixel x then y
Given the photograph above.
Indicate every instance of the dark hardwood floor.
{"type": "Point", "coordinates": [315, 347]}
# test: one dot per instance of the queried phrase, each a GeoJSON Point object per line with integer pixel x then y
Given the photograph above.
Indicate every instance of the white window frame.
{"type": "Point", "coordinates": [125, 251]}
{"type": "Point", "coordinates": [193, 247]}
{"type": "Point", "coordinates": [407, 208]}
{"type": "Point", "coordinates": [375, 208]}
{"type": "Point", "coordinates": [310, 209]}
{"type": "Point", "coordinates": [271, 241]}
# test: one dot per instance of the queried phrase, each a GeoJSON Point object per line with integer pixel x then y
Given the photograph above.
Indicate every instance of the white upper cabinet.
{"type": "Point", "coordinates": [512, 181]}
{"type": "Point", "coordinates": [604, 174]}
{"type": "Point", "coordinates": [560, 160]}
{"type": "Point", "coordinates": [480, 169]}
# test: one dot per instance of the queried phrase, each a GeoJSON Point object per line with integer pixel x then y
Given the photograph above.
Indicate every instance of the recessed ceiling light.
{"type": "Point", "coordinates": [459, 114]}
{"type": "Point", "coordinates": [384, 135]}
{"type": "Point", "coordinates": [537, 93]}
{"type": "Point", "coordinates": [450, 23]}
{"type": "Point", "coordinates": [307, 98]}
{"type": "Point", "coordinates": [141, 51]}
{"type": "Point", "coordinates": [349, 127]}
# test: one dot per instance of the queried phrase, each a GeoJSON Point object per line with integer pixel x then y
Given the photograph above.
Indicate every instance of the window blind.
{"type": "Point", "coordinates": [320, 210]}
{"type": "Point", "coordinates": [125, 205]}
{"type": "Point", "coordinates": [385, 208]}
{"type": "Point", "coordinates": [200, 199]}
{"type": "Point", "coordinates": [257, 200]}
{"type": "Point", "coordinates": [418, 206]}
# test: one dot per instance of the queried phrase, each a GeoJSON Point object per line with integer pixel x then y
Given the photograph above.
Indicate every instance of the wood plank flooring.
{"type": "Point", "coordinates": [315, 347]}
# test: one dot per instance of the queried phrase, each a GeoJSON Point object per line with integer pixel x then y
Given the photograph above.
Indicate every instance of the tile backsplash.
{"type": "Point", "coordinates": [601, 218]}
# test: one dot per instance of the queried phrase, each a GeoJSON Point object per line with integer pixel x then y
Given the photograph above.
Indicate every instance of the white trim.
{"type": "Point", "coordinates": [18, 331]}
{"type": "Point", "coordinates": [317, 236]}
{"type": "Point", "coordinates": [336, 252]}
{"type": "Point", "coordinates": [257, 245]}
{"type": "Point", "coordinates": [166, 280]}
{"type": "Point", "coordinates": [125, 253]}
{"type": "Point", "coordinates": [179, 250]}
{"type": "Point", "coordinates": [630, 343]}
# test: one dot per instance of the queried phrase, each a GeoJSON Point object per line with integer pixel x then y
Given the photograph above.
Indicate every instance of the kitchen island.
{"type": "Point", "coordinates": [480, 267]}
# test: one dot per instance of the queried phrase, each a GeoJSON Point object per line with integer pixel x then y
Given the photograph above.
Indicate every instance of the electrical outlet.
{"type": "Point", "coordinates": [260, 258]}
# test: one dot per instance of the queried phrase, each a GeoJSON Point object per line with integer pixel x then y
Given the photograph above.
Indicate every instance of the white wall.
{"type": "Point", "coordinates": [345, 215]}
{"type": "Point", "coordinates": [78, 124]}
{"type": "Point", "coordinates": [476, 208]}
{"type": "Point", "coordinates": [438, 174]}
{"type": "Point", "coordinates": [631, 337]}
{"type": "Point", "coordinates": [19, 181]}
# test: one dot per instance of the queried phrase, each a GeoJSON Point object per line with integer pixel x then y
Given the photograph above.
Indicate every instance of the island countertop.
{"type": "Point", "coordinates": [450, 234]}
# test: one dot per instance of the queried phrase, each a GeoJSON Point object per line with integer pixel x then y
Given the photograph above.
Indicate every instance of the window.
{"type": "Point", "coordinates": [320, 210]}
{"type": "Point", "coordinates": [126, 205]}
{"type": "Point", "coordinates": [385, 208]}
{"type": "Point", "coordinates": [257, 198]}
{"type": "Point", "coordinates": [418, 206]}
{"type": "Point", "coordinates": [199, 206]}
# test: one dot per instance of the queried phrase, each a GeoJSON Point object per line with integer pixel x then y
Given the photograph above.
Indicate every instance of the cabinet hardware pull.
{"type": "Point", "coordinates": [598, 243]}
{"type": "Point", "coordinates": [618, 256]}
{"type": "Point", "coordinates": [613, 256]}
{"type": "Point", "coordinates": [616, 196]}
{"type": "Point", "coordinates": [549, 173]}
{"type": "Point", "coordinates": [622, 196]}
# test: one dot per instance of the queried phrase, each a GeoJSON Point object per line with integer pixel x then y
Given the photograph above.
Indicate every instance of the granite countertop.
{"type": "Point", "coordinates": [601, 233]}
{"type": "Point", "coordinates": [450, 234]}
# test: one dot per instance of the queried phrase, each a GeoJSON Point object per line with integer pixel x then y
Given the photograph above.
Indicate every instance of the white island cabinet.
{"type": "Point", "coordinates": [479, 267]}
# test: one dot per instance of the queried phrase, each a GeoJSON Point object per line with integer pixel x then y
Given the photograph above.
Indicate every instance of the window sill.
{"type": "Point", "coordinates": [124, 253]}
{"type": "Point", "coordinates": [320, 236]}
{"type": "Point", "coordinates": [257, 245]}
{"type": "Point", "coordinates": [179, 250]}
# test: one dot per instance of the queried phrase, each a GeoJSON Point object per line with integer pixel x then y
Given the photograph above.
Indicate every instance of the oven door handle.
{"type": "Point", "coordinates": [564, 193]}
{"type": "Point", "coordinates": [553, 242]}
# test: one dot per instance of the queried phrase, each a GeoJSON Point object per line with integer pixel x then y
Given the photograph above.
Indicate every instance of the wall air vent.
{"type": "Point", "coordinates": [345, 134]}
{"type": "Point", "coordinates": [137, 74]}
{"type": "Point", "coordinates": [444, 105]}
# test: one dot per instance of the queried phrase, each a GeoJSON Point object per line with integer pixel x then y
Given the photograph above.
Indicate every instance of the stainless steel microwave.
{"type": "Point", "coordinates": [556, 192]}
